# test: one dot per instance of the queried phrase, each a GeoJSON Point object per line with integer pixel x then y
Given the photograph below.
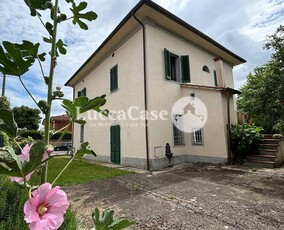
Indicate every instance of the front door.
{"type": "Point", "coordinates": [115, 144]}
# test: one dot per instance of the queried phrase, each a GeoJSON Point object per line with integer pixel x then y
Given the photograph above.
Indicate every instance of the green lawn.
{"type": "Point", "coordinates": [78, 172]}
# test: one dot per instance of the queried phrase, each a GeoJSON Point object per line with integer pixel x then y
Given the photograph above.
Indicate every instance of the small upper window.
{"type": "Point", "coordinates": [206, 69]}
{"type": "Point", "coordinates": [82, 93]}
{"type": "Point", "coordinates": [176, 67]}
{"type": "Point", "coordinates": [113, 79]}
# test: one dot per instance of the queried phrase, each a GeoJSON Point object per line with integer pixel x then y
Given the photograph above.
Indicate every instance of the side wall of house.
{"type": "Point", "coordinates": [129, 59]}
{"type": "Point", "coordinates": [163, 93]}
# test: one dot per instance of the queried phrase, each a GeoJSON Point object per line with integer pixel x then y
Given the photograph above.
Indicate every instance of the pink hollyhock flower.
{"type": "Point", "coordinates": [20, 180]}
{"type": "Point", "coordinates": [25, 154]}
{"type": "Point", "coordinates": [46, 208]}
{"type": "Point", "coordinates": [45, 156]}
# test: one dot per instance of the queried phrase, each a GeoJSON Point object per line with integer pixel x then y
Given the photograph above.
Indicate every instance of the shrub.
{"type": "Point", "coordinates": [12, 200]}
{"type": "Point", "coordinates": [245, 139]}
{"type": "Point", "coordinates": [67, 136]}
{"type": "Point", "coordinates": [34, 134]}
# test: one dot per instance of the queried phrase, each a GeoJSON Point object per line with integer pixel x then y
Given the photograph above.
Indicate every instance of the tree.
{"type": "Point", "coordinates": [26, 117]}
{"type": "Point", "coordinates": [262, 96]}
{"type": "Point", "coordinates": [5, 103]}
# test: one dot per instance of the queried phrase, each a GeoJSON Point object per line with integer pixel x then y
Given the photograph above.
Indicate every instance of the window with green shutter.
{"type": "Point", "coordinates": [185, 69]}
{"type": "Point", "coordinates": [82, 92]}
{"type": "Point", "coordinates": [215, 78]}
{"type": "Point", "coordinates": [114, 78]}
{"type": "Point", "coordinates": [176, 68]}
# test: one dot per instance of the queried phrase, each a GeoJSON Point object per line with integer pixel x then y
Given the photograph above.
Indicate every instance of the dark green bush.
{"type": "Point", "coordinates": [245, 139]}
{"type": "Point", "coordinates": [67, 136]}
{"type": "Point", "coordinates": [12, 199]}
{"type": "Point", "coordinates": [34, 134]}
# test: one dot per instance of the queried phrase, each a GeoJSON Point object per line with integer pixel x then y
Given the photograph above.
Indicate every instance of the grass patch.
{"type": "Point", "coordinates": [78, 172]}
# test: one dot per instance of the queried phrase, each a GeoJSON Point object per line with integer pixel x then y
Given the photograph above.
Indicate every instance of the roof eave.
{"type": "Point", "coordinates": [164, 12]}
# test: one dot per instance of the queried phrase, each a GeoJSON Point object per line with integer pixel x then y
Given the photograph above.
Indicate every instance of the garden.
{"type": "Point", "coordinates": [30, 193]}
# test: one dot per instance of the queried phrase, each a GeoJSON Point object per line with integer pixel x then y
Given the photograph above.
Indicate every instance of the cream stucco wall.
{"type": "Point", "coordinates": [162, 94]}
{"type": "Point", "coordinates": [130, 92]}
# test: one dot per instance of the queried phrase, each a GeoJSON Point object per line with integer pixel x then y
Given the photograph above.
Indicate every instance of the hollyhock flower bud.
{"type": "Point", "coordinates": [49, 149]}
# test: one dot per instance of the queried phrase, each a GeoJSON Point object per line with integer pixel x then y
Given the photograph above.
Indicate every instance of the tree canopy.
{"type": "Point", "coordinates": [263, 95]}
{"type": "Point", "coordinates": [5, 103]}
{"type": "Point", "coordinates": [27, 117]}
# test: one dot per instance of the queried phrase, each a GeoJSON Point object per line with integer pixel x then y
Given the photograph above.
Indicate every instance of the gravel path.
{"type": "Point", "coordinates": [189, 197]}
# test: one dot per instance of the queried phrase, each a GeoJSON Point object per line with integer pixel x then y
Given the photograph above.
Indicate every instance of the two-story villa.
{"type": "Point", "coordinates": [150, 61]}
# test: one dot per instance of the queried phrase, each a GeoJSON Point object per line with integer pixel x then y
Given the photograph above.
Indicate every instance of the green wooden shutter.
{"type": "Point", "coordinates": [185, 69]}
{"type": "Point", "coordinates": [112, 139]}
{"type": "Point", "coordinates": [167, 64]}
{"type": "Point", "coordinates": [215, 78]}
{"type": "Point", "coordinates": [115, 154]}
{"type": "Point", "coordinates": [84, 92]}
{"type": "Point", "coordinates": [79, 93]}
{"type": "Point", "coordinates": [113, 78]}
{"type": "Point", "coordinates": [115, 73]}
{"type": "Point", "coordinates": [82, 133]}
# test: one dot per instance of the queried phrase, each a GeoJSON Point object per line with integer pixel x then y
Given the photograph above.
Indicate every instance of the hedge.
{"type": "Point", "coordinates": [37, 135]}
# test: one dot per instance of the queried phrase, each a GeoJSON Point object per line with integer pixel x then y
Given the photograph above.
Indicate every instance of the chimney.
{"type": "Point", "coordinates": [219, 70]}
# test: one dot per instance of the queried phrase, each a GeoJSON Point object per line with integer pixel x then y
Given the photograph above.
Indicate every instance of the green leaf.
{"type": "Point", "coordinates": [49, 27]}
{"type": "Point", "coordinates": [36, 155]}
{"type": "Point", "coordinates": [60, 46]}
{"type": "Point", "coordinates": [7, 123]}
{"type": "Point", "coordinates": [94, 104]}
{"type": "Point", "coordinates": [80, 122]}
{"type": "Point", "coordinates": [82, 105]}
{"type": "Point", "coordinates": [10, 163]}
{"type": "Point", "coordinates": [18, 58]}
{"type": "Point", "coordinates": [121, 223]}
{"type": "Point", "coordinates": [105, 221]}
{"type": "Point", "coordinates": [38, 5]}
{"type": "Point", "coordinates": [83, 149]}
{"type": "Point", "coordinates": [47, 40]}
{"type": "Point", "coordinates": [77, 15]}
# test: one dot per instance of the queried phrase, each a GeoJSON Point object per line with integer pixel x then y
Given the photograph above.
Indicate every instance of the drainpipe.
{"type": "Point", "coordinates": [145, 89]}
{"type": "Point", "coordinates": [73, 122]}
{"type": "Point", "coordinates": [229, 127]}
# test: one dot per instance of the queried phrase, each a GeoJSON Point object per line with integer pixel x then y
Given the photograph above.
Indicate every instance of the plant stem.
{"type": "Point", "coordinates": [50, 84]}
{"type": "Point", "coordinates": [41, 69]}
{"type": "Point", "coordinates": [17, 144]}
{"type": "Point", "coordinates": [61, 136]}
{"type": "Point", "coordinates": [23, 84]}
{"type": "Point", "coordinates": [63, 170]}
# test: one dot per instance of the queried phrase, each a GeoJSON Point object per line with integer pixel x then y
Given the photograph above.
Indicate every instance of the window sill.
{"type": "Point", "coordinates": [179, 145]}
{"type": "Point", "coordinates": [113, 91]}
{"type": "Point", "coordinates": [202, 145]}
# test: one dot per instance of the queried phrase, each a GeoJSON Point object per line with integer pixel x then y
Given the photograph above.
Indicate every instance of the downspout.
{"type": "Point", "coordinates": [73, 122]}
{"type": "Point", "coordinates": [145, 90]}
{"type": "Point", "coordinates": [229, 127]}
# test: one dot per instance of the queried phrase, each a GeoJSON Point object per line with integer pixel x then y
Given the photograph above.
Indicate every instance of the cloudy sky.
{"type": "Point", "coordinates": [239, 25]}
